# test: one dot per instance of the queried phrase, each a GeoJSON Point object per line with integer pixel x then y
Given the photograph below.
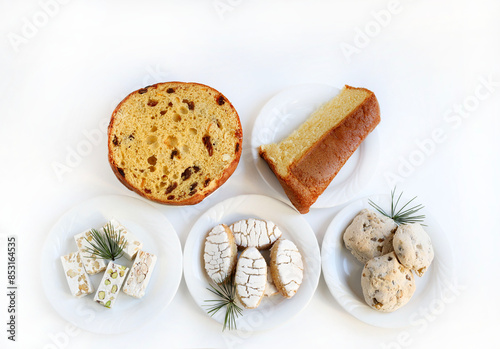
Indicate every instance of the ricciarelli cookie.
{"type": "Point", "coordinates": [256, 233]}
{"type": "Point", "coordinates": [220, 253]}
{"type": "Point", "coordinates": [250, 278]}
{"type": "Point", "coordinates": [287, 267]}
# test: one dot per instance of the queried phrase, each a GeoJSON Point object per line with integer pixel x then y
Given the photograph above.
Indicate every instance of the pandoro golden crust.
{"type": "Point", "coordinates": [310, 175]}
{"type": "Point", "coordinates": [214, 184]}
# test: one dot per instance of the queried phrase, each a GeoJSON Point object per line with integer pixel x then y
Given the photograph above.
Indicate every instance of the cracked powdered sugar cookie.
{"type": "Point", "coordinates": [287, 267]}
{"type": "Point", "coordinates": [220, 253]}
{"type": "Point", "coordinates": [387, 284]}
{"type": "Point", "coordinates": [255, 233]}
{"type": "Point", "coordinates": [251, 278]}
{"type": "Point", "coordinates": [413, 247]}
{"type": "Point", "coordinates": [271, 289]}
{"type": "Point", "coordinates": [369, 235]}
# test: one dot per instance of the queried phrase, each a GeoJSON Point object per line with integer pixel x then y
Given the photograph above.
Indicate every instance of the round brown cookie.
{"type": "Point", "coordinates": [369, 235]}
{"type": "Point", "coordinates": [387, 285]}
{"type": "Point", "coordinates": [413, 247]}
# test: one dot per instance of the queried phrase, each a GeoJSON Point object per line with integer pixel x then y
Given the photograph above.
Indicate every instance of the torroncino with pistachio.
{"type": "Point", "coordinates": [110, 285]}
{"type": "Point", "coordinates": [103, 248]}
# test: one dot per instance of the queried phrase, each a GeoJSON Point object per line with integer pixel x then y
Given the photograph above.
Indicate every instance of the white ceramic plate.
{"type": "Point", "coordinates": [128, 313]}
{"type": "Point", "coordinates": [274, 310]}
{"type": "Point", "coordinates": [287, 111]}
{"type": "Point", "coordinates": [342, 271]}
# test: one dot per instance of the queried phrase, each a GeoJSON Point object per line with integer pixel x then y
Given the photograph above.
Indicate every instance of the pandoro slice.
{"type": "Point", "coordinates": [311, 156]}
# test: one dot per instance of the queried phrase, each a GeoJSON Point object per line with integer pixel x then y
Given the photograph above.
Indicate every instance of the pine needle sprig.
{"type": "Point", "coordinates": [226, 291]}
{"type": "Point", "coordinates": [402, 215]}
{"type": "Point", "coordinates": [106, 244]}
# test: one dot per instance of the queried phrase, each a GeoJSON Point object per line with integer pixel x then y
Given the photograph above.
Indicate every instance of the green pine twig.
{"type": "Point", "coordinates": [226, 291]}
{"type": "Point", "coordinates": [106, 244]}
{"type": "Point", "coordinates": [402, 215]}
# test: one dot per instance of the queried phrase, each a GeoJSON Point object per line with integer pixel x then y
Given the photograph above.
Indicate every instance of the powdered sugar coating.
{"type": "Point", "coordinates": [220, 253]}
{"type": "Point", "coordinates": [255, 233]}
{"type": "Point", "coordinates": [251, 277]}
{"type": "Point", "coordinates": [287, 267]}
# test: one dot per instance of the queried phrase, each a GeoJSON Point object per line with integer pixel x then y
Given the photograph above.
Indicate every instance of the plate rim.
{"type": "Point", "coordinates": [191, 243]}
{"type": "Point", "coordinates": [370, 150]}
{"type": "Point", "coordinates": [348, 298]}
{"type": "Point", "coordinates": [175, 279]}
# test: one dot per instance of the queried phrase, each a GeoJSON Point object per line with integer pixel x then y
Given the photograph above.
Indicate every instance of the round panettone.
{"type": "Point", "coordinates": [174, 142]}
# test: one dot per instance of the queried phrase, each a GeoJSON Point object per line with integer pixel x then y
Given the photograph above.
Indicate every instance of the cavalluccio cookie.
{"type": "Point", "coordinates": [387, 285]}
{"type": "Point", "coordinates": [369, 235]}
{"type": "Point", "coordinates": [413, 247]}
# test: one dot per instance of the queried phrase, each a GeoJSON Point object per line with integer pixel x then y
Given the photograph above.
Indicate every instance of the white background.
{"type": "Point", "coordinates": [65, 65]}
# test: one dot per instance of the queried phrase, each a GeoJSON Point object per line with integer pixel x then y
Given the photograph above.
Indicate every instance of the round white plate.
{"type": "Point", "coordinates": [128, 313]}
{"type": "Point", "coordinates": [342, 271]}
{"type": "Point", "coordinates": [287, 111]}
{"type": "Point", "coordinates": [274, 310]}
